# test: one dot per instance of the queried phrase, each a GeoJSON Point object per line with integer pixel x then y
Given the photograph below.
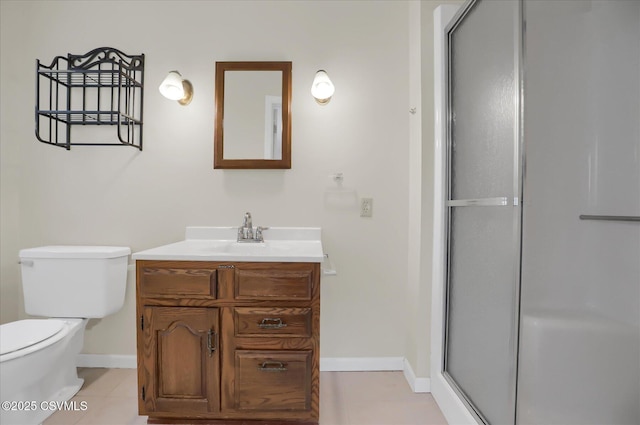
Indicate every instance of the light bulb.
{"type": "Point", "coordinates": [175, 87]}
{"type": "Point", "coordinates": [171, 87]}
{"type": "Point", "coordinates": [322, 88]}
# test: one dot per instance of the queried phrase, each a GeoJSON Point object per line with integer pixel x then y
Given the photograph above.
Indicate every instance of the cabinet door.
{"type": "Point", "coordinates": [180, 370]}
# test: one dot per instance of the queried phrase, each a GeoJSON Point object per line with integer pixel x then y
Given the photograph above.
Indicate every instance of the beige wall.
{"type": "Point", "coordinates": [119, 196]}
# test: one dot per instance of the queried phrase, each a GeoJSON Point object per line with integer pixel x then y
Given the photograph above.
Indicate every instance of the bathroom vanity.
{"type": "Point", "coordinates": [229, 331]}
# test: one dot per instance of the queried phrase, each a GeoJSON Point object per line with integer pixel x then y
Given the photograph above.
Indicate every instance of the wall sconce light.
{"type": "Point", "coordinates": [175, 87]}
{"type": "Point", "coordinates": [322, 88]}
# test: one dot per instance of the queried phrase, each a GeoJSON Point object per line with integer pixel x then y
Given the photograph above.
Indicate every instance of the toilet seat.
{"type": "Point", "coordinates": [21, 334]}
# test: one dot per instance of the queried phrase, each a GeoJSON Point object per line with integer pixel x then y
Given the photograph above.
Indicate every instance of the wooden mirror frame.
{"type": "Point", "coordinates": [218, 160]}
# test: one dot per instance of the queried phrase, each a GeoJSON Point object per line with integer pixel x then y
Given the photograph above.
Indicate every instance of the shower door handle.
{"type": "Point", "coordinates": [502, 201]}
{"type": "Point", "coordinates": [629, 218]}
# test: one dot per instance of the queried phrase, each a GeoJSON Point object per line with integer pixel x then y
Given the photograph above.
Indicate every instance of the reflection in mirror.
{"type": "Point", "coordinates": [253, 115]}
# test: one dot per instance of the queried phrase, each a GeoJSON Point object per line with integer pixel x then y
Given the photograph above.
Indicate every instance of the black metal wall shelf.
{"type": "Point", "coordinates": [103, 87]}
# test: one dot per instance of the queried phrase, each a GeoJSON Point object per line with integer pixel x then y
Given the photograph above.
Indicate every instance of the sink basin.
{"type": "Point", "coordinates": [251, 248]}
{"type": "Point", "coordinates": [286, 244]}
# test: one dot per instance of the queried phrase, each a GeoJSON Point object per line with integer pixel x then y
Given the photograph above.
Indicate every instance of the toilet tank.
{"type": "Point", "coordinates": [74, 281]}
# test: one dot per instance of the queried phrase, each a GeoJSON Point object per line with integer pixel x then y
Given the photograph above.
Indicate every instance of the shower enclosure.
{"type": "Point", "coordinates": [540, 150]}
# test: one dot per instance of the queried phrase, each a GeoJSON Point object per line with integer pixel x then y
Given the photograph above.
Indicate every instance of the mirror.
{"type": "Point", "coordinates": [253, 115]}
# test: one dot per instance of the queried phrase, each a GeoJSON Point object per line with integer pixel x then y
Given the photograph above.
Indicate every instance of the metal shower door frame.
{"type": "Point", "coordinates": [516, 201]}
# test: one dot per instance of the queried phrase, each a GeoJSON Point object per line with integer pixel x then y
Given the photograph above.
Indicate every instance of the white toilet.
{"type": "Point", "coordinates": [70, 284]}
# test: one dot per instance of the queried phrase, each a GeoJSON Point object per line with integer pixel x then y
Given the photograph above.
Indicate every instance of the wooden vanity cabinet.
{"type": "Point", "coordinates": [228, 342]}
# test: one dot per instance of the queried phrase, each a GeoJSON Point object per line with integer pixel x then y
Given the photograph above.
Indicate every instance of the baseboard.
{"type": "Point", "coordinates": [418, 385]}
{"type": "Point", "coordinates": [360, 364]}
{"type": "Point", "coordinates": [117, 361]}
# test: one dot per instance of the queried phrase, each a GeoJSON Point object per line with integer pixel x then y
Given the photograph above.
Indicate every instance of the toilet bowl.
{"type": "Point", "coordinates": [38, 356]}
{"type": "Point", "coordinates": [38, 369]}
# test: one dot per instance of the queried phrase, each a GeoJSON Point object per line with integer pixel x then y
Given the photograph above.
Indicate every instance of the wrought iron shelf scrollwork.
{"type": "Point", "coordinates": [103, 87]}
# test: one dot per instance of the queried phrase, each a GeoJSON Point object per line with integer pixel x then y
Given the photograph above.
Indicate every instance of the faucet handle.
{"type": "Point", "coordinates": [259, 236]}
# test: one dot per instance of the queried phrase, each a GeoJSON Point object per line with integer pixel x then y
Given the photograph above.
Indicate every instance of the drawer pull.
{"type": "Point", "coordinates": [276, 323]}
{"type": "Point", "coordinates": [272, 367]}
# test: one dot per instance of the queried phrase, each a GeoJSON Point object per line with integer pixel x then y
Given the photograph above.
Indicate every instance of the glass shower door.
{"type": "Point", "coordinates": [580, 325]}
{"type": "Point", "coordinates": [483, 208]}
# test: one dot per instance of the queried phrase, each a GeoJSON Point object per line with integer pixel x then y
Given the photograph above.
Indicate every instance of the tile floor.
{"type": "Point", "coordinates": [346, 398]}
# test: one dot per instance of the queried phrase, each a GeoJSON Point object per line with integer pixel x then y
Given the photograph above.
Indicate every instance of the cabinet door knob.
{"type": "Point", "coordinates": [272, 323]}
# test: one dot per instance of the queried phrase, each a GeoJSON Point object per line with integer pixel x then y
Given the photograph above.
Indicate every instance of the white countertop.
{"type": "Point", "coordinates": [282, 244]}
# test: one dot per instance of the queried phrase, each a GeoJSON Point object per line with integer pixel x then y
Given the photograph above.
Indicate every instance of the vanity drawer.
{"type": "Point", "coordinates": [266, 321]}
{"type": "Point", "coordinates": [281, 283]}
{"type": "Point", "coordinates": [272, 380]}
{"type": "Point", "coordinates": [178, 281]}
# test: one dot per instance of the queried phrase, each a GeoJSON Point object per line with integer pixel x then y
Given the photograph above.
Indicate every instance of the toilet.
{"type": "Point", "coordinates": [69, 285]}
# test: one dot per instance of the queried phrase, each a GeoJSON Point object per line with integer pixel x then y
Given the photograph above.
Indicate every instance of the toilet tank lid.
{"type": "Point", "coordinates": [75, 251]}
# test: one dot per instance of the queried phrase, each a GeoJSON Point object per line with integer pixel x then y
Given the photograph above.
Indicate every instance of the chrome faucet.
{"type": "Point", "coordinates": [246, 233]}
{"type": "Point", "coordinates": [247, 225]}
